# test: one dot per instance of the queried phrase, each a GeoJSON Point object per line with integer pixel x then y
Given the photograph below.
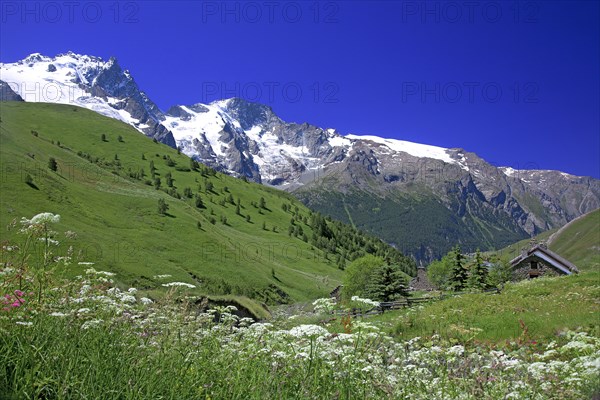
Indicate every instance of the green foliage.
{"type": "Point", "coordinates": [460, 272]}
{"type": "Point", "coordinates": [359, 275]}
{"type": "Point", "coordinates": [499, 273]}
{"type": "Point", "coordinates": [52, 165]}
{"type": "Point", "coordinates": [478, 273]}
{"type": "Point", "coordinates": [163, 207]}
{"type": "Point", "coordinates": [169, 179]}
{"type": "Point", "coordinates": [434, 228]}
{"type": "Point", "coordinates": [439, 272]}
{"type": "Point", "coordinates": [387, 283]}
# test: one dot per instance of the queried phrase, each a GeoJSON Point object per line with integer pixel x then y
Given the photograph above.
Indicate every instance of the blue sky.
{"type": "Point", "coordinates": [516, 82]}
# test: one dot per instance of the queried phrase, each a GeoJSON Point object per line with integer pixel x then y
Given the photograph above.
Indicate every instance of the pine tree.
{"type": "Point", "coordinates": [460, 273]}
{"type": "Point", "coordinates": [199, 203]}
{"type": "Point", "coordinates": [52, 164]}
{"type": "Point", "coordinates": [478, 273]}
{"type": "Point", "coordinates": [162, 207]}
{"type": "Point", "coordinates": [261, 203]}
{"type": "Point", "coordinates": [169, 179]}
{"type": "Point", "coordinates": [387, 283]}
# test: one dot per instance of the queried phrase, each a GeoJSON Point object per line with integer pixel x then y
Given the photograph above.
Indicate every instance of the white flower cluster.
{"type": "Point", "coordinates": [365, 301]}
{"type": "Point", "coordinates": [182, 284]}
{"type": "Point", "coordinates": [323, 305]}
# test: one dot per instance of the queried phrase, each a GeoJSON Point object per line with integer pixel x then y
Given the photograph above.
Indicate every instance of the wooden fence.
{"type": "Point", "coordinates": [405, 302]}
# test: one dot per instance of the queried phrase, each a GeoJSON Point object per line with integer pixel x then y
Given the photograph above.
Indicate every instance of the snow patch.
{"type": "Point", "coordinates": [414, 149]}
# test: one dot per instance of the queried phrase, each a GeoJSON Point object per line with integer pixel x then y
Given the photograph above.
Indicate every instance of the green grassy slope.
{"type": "Point", "coordinates": [535, 310]}
{"type": "Point", "coordinates": [100, 194]}
{"type": "Point", "coordinates": [578, 242]}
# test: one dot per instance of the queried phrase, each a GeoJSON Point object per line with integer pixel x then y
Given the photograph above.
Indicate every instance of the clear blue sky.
{"type": "Point", "coordinates": [516, 82]}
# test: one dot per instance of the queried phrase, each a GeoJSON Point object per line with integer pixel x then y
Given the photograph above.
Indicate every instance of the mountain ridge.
{"type": "Point", "coordinates": [470, 200]}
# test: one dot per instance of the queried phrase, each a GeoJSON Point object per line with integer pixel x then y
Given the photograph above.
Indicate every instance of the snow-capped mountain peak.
{"type": "Point", "coordinates": [85, 81]}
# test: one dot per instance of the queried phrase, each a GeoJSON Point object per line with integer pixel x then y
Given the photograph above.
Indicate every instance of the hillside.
{"type": "Point", "coordinates": [578, 241]}
{"type": "Point", "coordinates": [245, 239]}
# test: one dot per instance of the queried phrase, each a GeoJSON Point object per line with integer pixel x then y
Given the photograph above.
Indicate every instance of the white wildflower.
{"type": "Point", "coordinates": [145, 301]}
{"type": "Point", "coordinates": [457, 350]}
{"type": "Point", "coordinates": [171, 284]}
{"type": "Point", "coordinates": [365, 301]}
{"type": "Point", "coordinates": [127, 298]}
{"type": "Point", "coordinates": [324, 305]}
{"type": "Point", "coordinates": [57, 314]}
{"type": "Point", "coordinates": [308, 331]}
{"type": "Point", "coordinates": [91, 324]}
{"type": "Point", "coordinates": [45, 218]}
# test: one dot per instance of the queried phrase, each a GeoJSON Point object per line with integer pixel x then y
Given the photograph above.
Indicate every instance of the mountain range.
{"type": "Point", "coordinates": [422, 199]}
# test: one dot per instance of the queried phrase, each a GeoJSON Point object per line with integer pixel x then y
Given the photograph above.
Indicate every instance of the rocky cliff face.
{"type": "Point", "coordinates": [7, 94]}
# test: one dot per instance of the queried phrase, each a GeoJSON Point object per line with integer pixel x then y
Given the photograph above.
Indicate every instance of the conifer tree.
{"type": "Point", "coordinates": [478, 273]}
{"type": "Point", "coordinates": [460, 273]}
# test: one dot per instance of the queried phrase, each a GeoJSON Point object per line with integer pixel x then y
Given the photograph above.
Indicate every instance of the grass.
{"type": "Point", "coordinates": [535, 310]}
{"type": "Point", "coordinates": [579, 241]}
{"type": "Point", "coordinates": [116, 220]}
{"type": "Point", "coordinates": [85, 339]}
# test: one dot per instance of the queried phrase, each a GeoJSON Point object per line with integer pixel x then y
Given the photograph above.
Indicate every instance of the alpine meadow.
{"type": "Point", "coordinates": [325, 200]}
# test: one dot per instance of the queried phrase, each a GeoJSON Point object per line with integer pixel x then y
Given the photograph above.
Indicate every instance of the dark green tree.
{"type": "Point", "coordinates": [387, 283]}
{"type": "Point", "coordinates": [460, 272]}
{"type": "Point", "coordinates": [169, 179]}
{"type": "Point", "coordinates": [52, 164]}
{"type": "Point", "coordinates": [162, 207]}
{"type": "Point", "coordinates": [478, 273]}
{"type": "Point", "coordinates": [199, 202]}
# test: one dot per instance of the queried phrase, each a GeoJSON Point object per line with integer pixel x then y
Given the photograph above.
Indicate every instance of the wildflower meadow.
{"type": "Point", "coordinates": [87, 336]}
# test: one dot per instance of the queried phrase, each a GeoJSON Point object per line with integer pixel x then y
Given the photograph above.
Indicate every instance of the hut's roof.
{"type": "Point", "coordinates": [548, 257]}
